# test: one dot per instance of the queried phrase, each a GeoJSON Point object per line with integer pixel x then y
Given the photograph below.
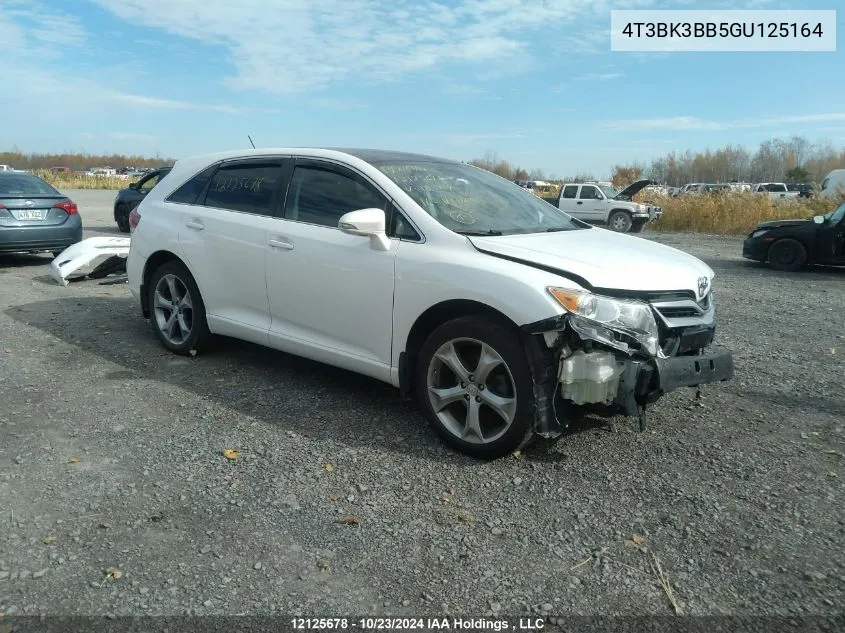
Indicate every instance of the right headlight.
{"type": "Point", "coordinates": [598, 317]}
{"type": "Point", "coordinates": [757, 234]}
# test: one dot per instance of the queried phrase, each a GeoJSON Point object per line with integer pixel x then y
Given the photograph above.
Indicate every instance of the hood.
{"type": "Point", "coordinates": [633, 189]}
{"type": "Point", "coordinates": [604, 259]}
{"type": "Point", "coordinates": [777, 224]}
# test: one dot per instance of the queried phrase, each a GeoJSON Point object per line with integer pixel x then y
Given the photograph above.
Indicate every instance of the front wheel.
{"type": "Point", "coordinates": [787, 255]}
{"type": "Point", "coordinates": [620, 221]}
{"type": "Point", "coordinates": [177, 310]}
{"type": "Point", "coordinates": [474, 385]}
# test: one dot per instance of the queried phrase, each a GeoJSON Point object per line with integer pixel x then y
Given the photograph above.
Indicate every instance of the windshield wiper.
{"type": "Point", "coordinates": [479, 233]}
{"type": "Point", "coordinates": [555, 229]}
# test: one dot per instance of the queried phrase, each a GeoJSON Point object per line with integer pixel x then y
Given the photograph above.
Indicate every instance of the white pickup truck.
{"type": "Point", "coordinates": [775, 190]}
{"type": "Point", "coordinates": [601, 204]}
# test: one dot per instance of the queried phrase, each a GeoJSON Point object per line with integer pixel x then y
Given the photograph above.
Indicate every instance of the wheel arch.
{"type": "Point", "coordinates": [431, 319]}
{"type": "Point", "coordinates": [152, 264]}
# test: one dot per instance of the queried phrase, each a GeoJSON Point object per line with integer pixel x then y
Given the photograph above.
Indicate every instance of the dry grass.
{"type": "Point", "coordinates": [80, 181]}
{"type": "Point", "coordinates": [730, 214]}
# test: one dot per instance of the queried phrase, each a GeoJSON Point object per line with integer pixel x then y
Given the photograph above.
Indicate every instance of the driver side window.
{"type": "Point", "coordinates": [150, 183]}
{"type": "Point", "coordinates": [321, 195]}
{"type": "Point", "coordinates": [588, 192]}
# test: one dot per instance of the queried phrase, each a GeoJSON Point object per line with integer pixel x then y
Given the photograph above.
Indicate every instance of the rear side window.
{"type": "Point", "coordinates": [569, 191]}
{"type": "Point", "coordinates": [246, 187]}
{"type": "Point", "coordinates": [188, 193]}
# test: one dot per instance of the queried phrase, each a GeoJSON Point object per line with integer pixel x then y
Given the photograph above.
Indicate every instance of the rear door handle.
{"type": "Point", "coordinates": [580, 202]}
{"type": "Point", "coordinates": [195, 224]}
{"type": "Point", "coordinates": [280, 243]}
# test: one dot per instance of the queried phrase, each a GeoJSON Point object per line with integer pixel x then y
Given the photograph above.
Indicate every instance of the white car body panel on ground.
{"type": "Point", "coordinates": [86, 254]}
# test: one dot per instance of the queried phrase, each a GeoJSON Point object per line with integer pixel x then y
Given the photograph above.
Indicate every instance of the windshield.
{"type": "Point", "coordinates": [836, 216]}
{"type": "Point", "coordinates": [609, 192]}
{"type": "Point", "coordinates": [25, 185]}
{"type": "Point", "coordinates": [472, 201]}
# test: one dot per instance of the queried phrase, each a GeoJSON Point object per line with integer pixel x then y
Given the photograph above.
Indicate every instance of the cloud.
{"type": "Point", "coordinates": [695, 124]}
{"type": "Point", "coordinates": [24, 24]}
{"type": "Point", "coordinates": [597, 77]}
{"type": "Point", "coordinates": [141, 101]}
{"type": "Point", "coordinates": [337, 104]}
{"type": "Point", "coordinates": [290, 46]}
{"type": "Point", "coordinates": [133, 136]}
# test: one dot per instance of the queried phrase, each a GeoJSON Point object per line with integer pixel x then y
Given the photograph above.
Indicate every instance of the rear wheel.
{"type": "Point", "coordinates": [121, 215]}
{"type": "Point", "coordinates": [176, 309]}
{"type": "Point", "coordinates": [787, 255]}
{"type": "Point", "coordinates": [474, 385]}
{"type": "Point", "coordinates": [620, 221]}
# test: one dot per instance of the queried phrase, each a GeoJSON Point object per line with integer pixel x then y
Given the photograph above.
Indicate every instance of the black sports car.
{"type": "Point", "coordinates": [129, 198]}
{"type": "Point", "coordinates": [793, 244]}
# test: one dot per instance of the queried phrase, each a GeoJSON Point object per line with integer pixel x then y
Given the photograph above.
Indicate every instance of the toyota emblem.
{"type": "Point", "coordinates": [703, 283]}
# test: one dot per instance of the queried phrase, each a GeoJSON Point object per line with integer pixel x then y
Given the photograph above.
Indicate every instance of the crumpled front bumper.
{"type": "Point", "coordinates": [624, 382]}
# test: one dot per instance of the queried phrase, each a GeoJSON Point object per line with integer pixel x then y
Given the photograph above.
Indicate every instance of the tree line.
{"type": "Point", "coordinates": [777, 160]}
{"type": "Point", "coordinates": [78, 161]}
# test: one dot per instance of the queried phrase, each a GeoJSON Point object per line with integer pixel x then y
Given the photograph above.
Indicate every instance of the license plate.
{"type": "Point", "coordinates": [30, 214]}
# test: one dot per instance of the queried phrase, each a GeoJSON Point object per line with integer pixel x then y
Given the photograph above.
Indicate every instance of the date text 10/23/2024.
{"type": "Point", "coordinates": [465, 625]}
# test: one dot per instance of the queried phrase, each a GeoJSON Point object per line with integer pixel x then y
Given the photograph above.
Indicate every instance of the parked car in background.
{"type": "Point", "coordinates": [6, 168]}
{"type": "Point", "coordinates": [495, 309]}
{"type": "Point", "coordinates": [805, 190]}
{"type": "Point", "coordinates": [775, 190]}
{"type": "Point", "coordinates": [34, 216]}
{"type": "Point", "coordinates": [129, 198]}
{"type": "Point", "coordinates": [716, 188]}
{"type": "Point", "coordinates": [602, 204]}
{"type": "Point", "coordinates": [833, 185]}
{"type": "Point", "coordinates": [791, 245]}
{"type": "Point", "coordinates": [693, 187]}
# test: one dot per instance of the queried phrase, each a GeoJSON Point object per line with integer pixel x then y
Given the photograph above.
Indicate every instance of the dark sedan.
{"type": "Point", "coordinates": [129, 198]}
{"type": "Point", "coordinates": [793, 244]}
{"type": "Point", "coordinates": [34, 216]}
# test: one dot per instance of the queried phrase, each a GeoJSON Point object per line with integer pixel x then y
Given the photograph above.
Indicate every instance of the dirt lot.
{"type": "Point", "coordinates": [112, 459]}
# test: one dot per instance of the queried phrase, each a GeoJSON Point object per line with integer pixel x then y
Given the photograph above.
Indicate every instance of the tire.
{"type": "Point", "coordinates": [121, 215]}
{"type": "Point", "coordinates": [507, 385]}
{"type": "Point", "coordinates": [173, 277]}
{"type": "Point", "coordinates": [620, 221]}
{"type": "Point", "coordinates": [787, 255]}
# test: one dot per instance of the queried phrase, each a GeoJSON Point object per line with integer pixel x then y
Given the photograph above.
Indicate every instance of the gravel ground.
{"type": "Point", "coordinates": [342, 501]}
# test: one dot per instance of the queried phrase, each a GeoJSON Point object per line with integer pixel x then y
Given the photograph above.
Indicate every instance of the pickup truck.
{"type": "Point", "coordinates": [601, 204]}
{"type": "Point", "coordinates": [775, 190]}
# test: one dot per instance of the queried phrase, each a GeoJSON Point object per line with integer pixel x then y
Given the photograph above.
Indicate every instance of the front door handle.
{"type": "Point", "coordinates": [280, 243]}
{"type": "Point", "coordinates": [580, 202]}
{"type": "Point", "coordinates": [195, 224]}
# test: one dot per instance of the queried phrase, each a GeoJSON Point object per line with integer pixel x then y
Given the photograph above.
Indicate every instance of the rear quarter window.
{"type": "Point", "coordinates": [190, 191]}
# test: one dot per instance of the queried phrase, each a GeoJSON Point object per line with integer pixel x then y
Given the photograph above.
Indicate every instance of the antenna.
{"type": "Point", "coordinates": [250, 141]}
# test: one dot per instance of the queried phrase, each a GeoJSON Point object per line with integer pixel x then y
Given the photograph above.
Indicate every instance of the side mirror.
{"type": "Point", "coordinates": [818, 219]}
{"type": "Point", "coordinates": [133, 185]}
{"type": "Point", "coordinates": [368, 223]}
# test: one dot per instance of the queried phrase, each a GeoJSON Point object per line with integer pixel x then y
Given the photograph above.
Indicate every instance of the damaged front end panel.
{"type": "Point", "coordinates": [610, 369]}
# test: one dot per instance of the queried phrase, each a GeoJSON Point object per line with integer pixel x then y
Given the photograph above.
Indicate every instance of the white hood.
{"type": "Point", "coordinates": [605, 259]}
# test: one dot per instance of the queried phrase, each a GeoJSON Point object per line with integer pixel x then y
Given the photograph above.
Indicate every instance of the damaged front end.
{"type": "Point", "coordinates": [613, 355]}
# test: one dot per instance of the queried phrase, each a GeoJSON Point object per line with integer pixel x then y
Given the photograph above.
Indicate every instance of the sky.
{"type": "Point", "coordinates": [534, 81]}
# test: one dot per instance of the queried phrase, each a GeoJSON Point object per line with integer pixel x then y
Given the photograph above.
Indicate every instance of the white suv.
{"type": "Point", "coordinates": [601, 204]}
{"type": "Point", "coordinates": [500, 313]}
